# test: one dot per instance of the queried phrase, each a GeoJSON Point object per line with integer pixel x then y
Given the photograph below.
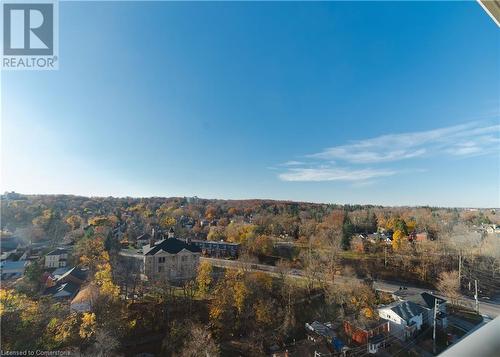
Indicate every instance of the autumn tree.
{"type": "Point", "coordinates": [397, 239]}
{"type": "Point", "coordinates": [199, 343]}
{"type": "Point", "coordinates": [74, 221]}
{"type": "Point", "coordinates": [448, 284]}
{"type": "Point", "coordinates": [204, 277]}
{"type": "Point", "coordinates": [261, 245]}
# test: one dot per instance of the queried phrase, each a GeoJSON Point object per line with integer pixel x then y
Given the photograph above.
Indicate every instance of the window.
{"type": "Point", "coordinates": [184, 258]}
{"type": "Point", "coordinates": [161, 260]}
{"type": "Point", "coordinates": [159, 269]}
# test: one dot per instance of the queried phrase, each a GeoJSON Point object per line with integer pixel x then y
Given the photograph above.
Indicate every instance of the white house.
{"type": "Point", "coordinates": [57, 258]}
{"type": "Point", "coordinates": [405, 318]}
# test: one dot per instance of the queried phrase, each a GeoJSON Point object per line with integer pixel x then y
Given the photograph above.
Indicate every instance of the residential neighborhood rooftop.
{"type": "Point", "coordinates": [57, 251]}
{"type": "Point", "coordinates": [425, 299]}
{"type": "Point", "coordinates": [170, 245]}
{"type": "Point", "coordinates": [405, 309]}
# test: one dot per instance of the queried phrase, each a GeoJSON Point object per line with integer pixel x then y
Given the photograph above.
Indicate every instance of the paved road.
{"type": "Point", "coordinates": [490, 309]}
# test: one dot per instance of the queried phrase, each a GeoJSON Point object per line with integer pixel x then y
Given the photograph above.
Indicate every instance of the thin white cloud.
{"type": "Point", "coordinates": [292, 163]}
{"type": "Point", "coordinates": [333, 174]}
{"type": "Point", "coordinates": [397, 147]}
{"type": "Point", "coordinates": [465, 140]}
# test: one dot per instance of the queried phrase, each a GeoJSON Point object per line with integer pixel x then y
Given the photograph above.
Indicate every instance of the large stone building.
{"type": "Point", "coordinates": [171, 259]}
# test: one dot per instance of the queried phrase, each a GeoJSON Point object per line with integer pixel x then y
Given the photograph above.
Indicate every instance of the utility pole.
{"type": "Point", "coordinates": [434, 325]}
{"type": "Point", "coordinates": [469, 285]}
{"type": "Point", "coordinates": [460, 269]}
{"type": "Point", "coordinates": [385, 256]}
{"type": "Point", "coordinates": [476, 297]}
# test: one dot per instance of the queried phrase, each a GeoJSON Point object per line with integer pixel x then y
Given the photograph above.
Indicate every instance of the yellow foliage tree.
{"type": "Point", "coordinates": [88, 326]}
{"type": "Point", "coordinates": [64, 330]}
{"type": "Point", "coordinates": [74, 221]}
{"type": "Point", "coordinates": [204, 277]}
{"type": "Point", "coordinates": [263, 312]}
{"type": "Point", "coordinates": [167, 222]}
{"type": "Point", "coordinates": [397, 239]}
{"type": "Point", "coordinates": [368, 313]}
{"type": "Point", "coordinates": [265, 281]}
{"type": "Point", "coordinates": [411, 224]}
{"type": "Point", "coordinates": [92, 252]}
{"type": "Point", "coordinates": [10, 301]}
{"type": "Point", "coordinates": [104, 280]}
{"type": "Point", "coordinates": [240, 295]}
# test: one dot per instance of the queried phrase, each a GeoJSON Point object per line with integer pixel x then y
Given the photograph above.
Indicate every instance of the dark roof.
{"type": "Point", "coordinates": [406, 310]}
{"type": "Point", "coordinates": [215, 242]}
{"type": "Point", "coordinates": [57, 251]}
{"type": "Point", "coordinates": [321, 329]}
{"type": "Point", "coordinates": [76, 272]}
{"type": "Point", "coordinates": [68, 287]}
{"type": "Point", "coordinates": [425, 299]}
{"type": "Point", "coordinates": [170, 245]}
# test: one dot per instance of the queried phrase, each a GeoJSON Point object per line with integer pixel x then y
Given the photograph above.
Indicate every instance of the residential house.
{"type": "Point", "coordinates": [66, 286]}
{"type": "Point", "coordinates": [422, 237]}
{"type": "Point", "coordinates": [427, 302]}
{"type": "Point", "coordinates": [142, 240]}
{"type": "Point", "coordinates": [63, 291]}
{"type": "Point", "coordinates": [171, 259]}
{"type": "Point", "coordinates": [317, 331]}
{"type": "Point", "coordinates": [324, 333]}
{"type": "Point", "coordinates": [217, 248]}
{"type": "Point", "coordinates": [85, 299]}
{"type": "Point", "coordinates": [405, 318]}
{"type": "Point", "coordinates": [57, 258]}
{"type": "Point", "coordinates": [492, 229]}
{"type": "Point", "coordinates": [75, 275]}
{"type": "Point", "coordinates": [361, 331]}
{"type": "Point", "coordinates": [369, 332]}
{"type": "Point", "coordinates": [56, 274]}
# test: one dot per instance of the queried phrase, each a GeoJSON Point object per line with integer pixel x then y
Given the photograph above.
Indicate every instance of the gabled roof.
{"type": "Point", "coordinates": [214, 242]}
{"type": "Point", "coordinates": [425, 299]}
{"type": "Point", "coordinates": [60, 271]}
{"type": "Point", "coordinates": [406, 310]}
{"type": "Point", "coordinates": [62, 290]}
{"type": "Point", "coordinates": [170, 245]}
{"type": "Point", "coordinates": [58, 251]}
{"type": "Point", "coordinates": [321, 329]}
{"type": "Point", "coordinates": [75, 272]}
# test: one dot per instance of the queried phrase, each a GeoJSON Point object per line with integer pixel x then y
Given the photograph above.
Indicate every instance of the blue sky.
{"type": "Point", "coordinates": [385, 103]}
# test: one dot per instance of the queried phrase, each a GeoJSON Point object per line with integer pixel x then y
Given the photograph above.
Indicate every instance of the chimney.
{"type": "Point", "coordinates": [152, 240]}
{"type": "Point", "coordinates": [188, 240]}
